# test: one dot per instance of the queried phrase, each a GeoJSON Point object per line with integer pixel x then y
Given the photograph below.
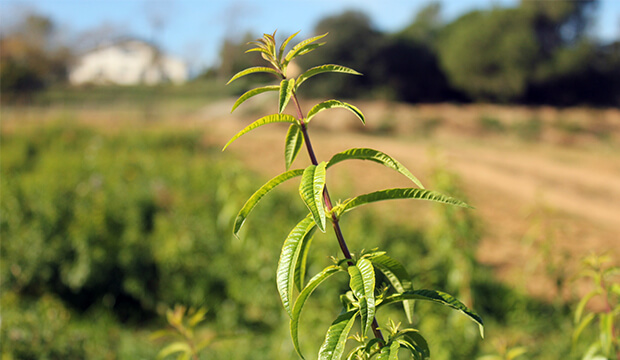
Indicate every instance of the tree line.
{"type": "Point", "coordinates": [539, 52]}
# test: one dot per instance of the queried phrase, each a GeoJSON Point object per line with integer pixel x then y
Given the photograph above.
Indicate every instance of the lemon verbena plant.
{"type": "Point", "coordinates": [365, 297]}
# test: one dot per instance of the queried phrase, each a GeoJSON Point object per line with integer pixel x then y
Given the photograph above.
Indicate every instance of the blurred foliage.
{"type": "Point", "coordinates": [102, 231]}
{"type": "Point", "coordinates": [30, 58]}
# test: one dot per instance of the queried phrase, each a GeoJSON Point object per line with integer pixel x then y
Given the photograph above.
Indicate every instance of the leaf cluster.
{"type": "Point", "coordinates": [601, 275]}
{"type": "Point", "coordinates": [364, 298]}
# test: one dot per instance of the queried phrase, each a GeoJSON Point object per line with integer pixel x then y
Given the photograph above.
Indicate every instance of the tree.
{"type": "Point", "coordinates": [489, 54]}
{"type": "Point", "coordinates": [30, 59]}
{"type": "Point", "coordinates": [344, 47]}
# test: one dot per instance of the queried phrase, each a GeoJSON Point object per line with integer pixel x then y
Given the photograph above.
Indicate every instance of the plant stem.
{"type": "Point", "coordinates": [328, 204]}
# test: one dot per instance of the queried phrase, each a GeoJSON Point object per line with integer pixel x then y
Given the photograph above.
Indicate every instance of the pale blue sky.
{"type": "Point", "coordinates": [194, 29]}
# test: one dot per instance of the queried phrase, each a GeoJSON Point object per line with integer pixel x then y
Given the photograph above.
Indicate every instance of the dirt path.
{"type": "Point", "coordinates": [541, 202]}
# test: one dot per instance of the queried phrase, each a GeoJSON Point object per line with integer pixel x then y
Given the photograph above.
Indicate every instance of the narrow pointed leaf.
{"type": "Point", "coordinates": [328, 104]}
{"type": "Point", "coordinates": [438, 297]}
{"type": "Point", "coordinates": [297, 49]}
{"type": "Point", "coordinates": [397, 276]}
{"type": "Point", "coordinates": [253, 92]}
{"type": "Point", "coordinates": [293, 142]}
{"type": "Point", "coordinates": [415, 342]}
{"type": "Point", "coordinates": [301, 301]}
{"type": "Point", "coordinates": [336, 337]}
{"type": "Point", "coordinates": [286, 90]}
{"type": "Point", "coordinates": [260, 122]}
{"type": "Point", "coordinates": [258, 195]}
{"type": "Point", "coordinates": [582, 303]}
{"type": "Point", "coordinates": [581, 326]}
{"type": "Point", "coordinates": [362, 284]}
{"type": "Point", "coordinates": [291, 249]}
{"type": "Point", "coordinates": [302, 260]}
{"type": "Point", "coordinates": [252, 70]}
{"type": "Point", "coordinates": [323, 69]}
{"type": "Point", "coordinates": [389, 352]}
{"type": "Point", "coordinates": [175, 347]}
{"type": "Point", "coordinates": [311, 191]}
{"type": "Point", "coordinates": [413, 348]}
{"type": "Point", "coordinates": [376, 156]}
{"type": "Point", "coordinates": [394, 194]}
{"type": "Point", "coordinates": [283, 45]}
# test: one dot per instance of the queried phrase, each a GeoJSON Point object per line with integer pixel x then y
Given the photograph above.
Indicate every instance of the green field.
{"type": "Point", "coordinates": [108, 219]}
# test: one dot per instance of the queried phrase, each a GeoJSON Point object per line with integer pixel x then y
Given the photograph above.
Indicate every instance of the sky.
{"type": "Point", "coordinates": [194, 29]}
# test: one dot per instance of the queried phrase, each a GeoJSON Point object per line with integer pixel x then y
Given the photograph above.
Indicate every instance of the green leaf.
{"type": "Point", "coordinates": [260, 122]}
{"type": "Point", "coordinates": [328, 104]}
{"type": "Point", "coordinates": [300, 267]}
{"type": "Point", "coordinates": [311, 191]}
{"type": "Point", "coordinates": [376, 156]}
{"type": "Point", "coordinates": [253, 70]}
{"type": "Point", "coordinates": [438, 297]}
{"type": "Point", "coordinates": [283, 45]}
{"type": "Point", "coordinates": [301, 301]}
{"type": "Point", "coordinates": [286, 90]}
{"type": "Point", "coordinates": [397, 276]}
{"type": "Point", "coordinates": [581, 326]}
{"type": "Point", "coordinates": [285, 274]}
{"type": "Point", "coordinates": [258, 195]}
{"type": "Point", "coordinates": [175, 347]}
{"type": "Point", "coordinates": [336, 337]}
{"type": "Point", "coordinates": [197, 317]}
{"type": "Point", "coordinates": [516, 352]}
{"type": "Point", "coordinates": [253, 92]}
{"type": "Point", "coordinates": [606, 332]}
{"type": "Point", "coordinates": [323, 69]}
{"type": "Point", "coordinates": [294, 140]}
{"type": "Point", "coordinates": [362, 284]}
{"type": "Point", "coordinates": [393, 194]}
{"type": "Point", "coordinates": [413, 340]}
{"type": "Point", "coordinates": [583, 302]}
{"type": "Point", "coordinates": [301, 48]}
{"type": "Point", "coordinates": [389, 352]}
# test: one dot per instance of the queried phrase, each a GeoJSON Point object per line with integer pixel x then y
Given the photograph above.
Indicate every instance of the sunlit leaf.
{"type": "Point", "coordinates": [328, 104]}
{"type": "Point", "coordinates": [301, 301]}
{"type": "Point", "coordinates": [294, 140]}
{"type": "Point", "coordinates": [397, 276]}
{"type": "Point", "coordinates": [389, 352]}
{"type": "Point", "coordinates": [376, 156]}
{"type": "Point", "coordinates": [438, 297]}
{"type": "Point", "coordinates": [311, 191]}
{"type": "Point", "coordinates": [197, 317]}
{"type": "Point", "coordinates": [582, 325]}
{"type": "Point", "coordinates": [300, 267]}
{"type": "Point", "coordinates": [583, 302]}
{"type": "Point", "coordinates": [175, 347]}
{"type": "Point", "coordinates": [323, 69]}
{"type": "Point", "coordinates": [362, 283]}
{"type": "Point", "coordinates": [253, 92]}
{"type": "Point", "coordinates": [252, 70]}
{"type": "Point", "coordinates": [258, 195]}
{"type": "Point", "coordinates": [298, 49]}
{"type": "Point", "coordinates": [285, 274]}
{"type": "Point", "coordinates": [283, 45]}
{"type": "Point", "coordinates": [286, 90]}
{"type": "Point", "coordinates": [260, 122]}
{"type": "Point", "coordinates": [394, 194]}
{"type": "Point", "coordinates": [416, 343]}
{"type": "Point", "coordinates": [336, 337]}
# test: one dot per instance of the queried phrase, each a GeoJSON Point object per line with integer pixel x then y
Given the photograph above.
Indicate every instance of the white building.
{"type": "Point", "coordinates": [127, 62]}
